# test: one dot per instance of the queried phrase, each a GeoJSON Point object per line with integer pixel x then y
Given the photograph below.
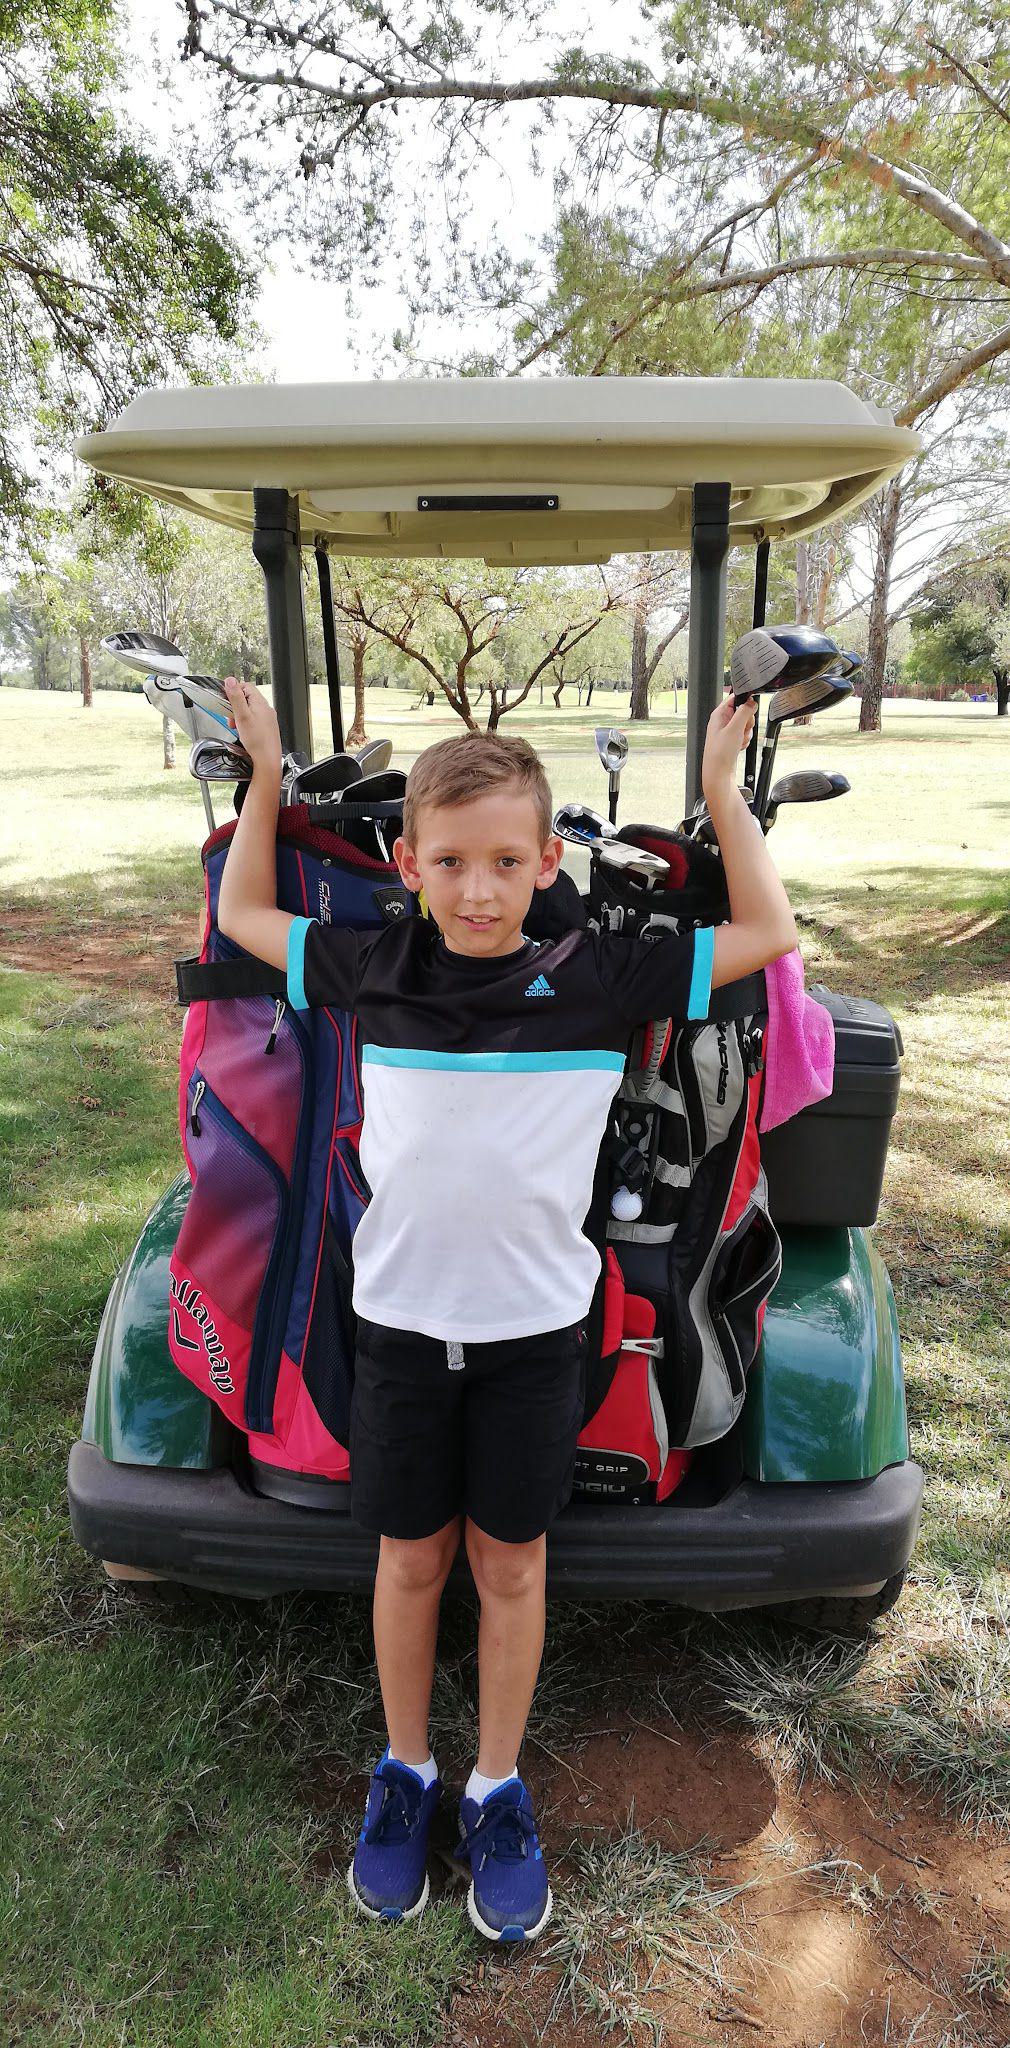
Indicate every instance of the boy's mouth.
{"type": "Point", "coordinates": [478, 924]}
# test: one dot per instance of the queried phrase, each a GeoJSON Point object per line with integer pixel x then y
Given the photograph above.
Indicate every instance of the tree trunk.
{"type": "Point", "coordinates": [803, 583]}
{"type": "Point", "coordinates": [639, 656]}
{"type": "Point", "coordinates": [357, 735]}
{"type": "Point", "coordinates": [1002, 676]}
{"type": "Point", "coordinates": [86, 691]}
{"type": "Point", "coordinates": [589, 694]}
{"type": "Point", "coordinates": [168, 738]}
{"type": "Point", "coordinates": [876, 646]}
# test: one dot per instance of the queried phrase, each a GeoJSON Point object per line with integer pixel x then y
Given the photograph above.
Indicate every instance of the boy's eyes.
{"type": "Point", "coordinates": [451, 860]}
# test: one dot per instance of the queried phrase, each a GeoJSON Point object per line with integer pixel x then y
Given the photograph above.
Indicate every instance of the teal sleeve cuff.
{"type": "Point", "coordinates": [701, 974]}
{"type": "Point", "coordinates": [297, 935]}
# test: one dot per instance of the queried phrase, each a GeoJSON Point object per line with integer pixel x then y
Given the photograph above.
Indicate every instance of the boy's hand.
{"type": "Point", "coordinates": [255, 722]}
{"type": "Point", "coordinates": [728, 733]}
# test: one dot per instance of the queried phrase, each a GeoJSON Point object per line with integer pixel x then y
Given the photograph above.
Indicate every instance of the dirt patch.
{"type": "Point", "coordinates": [133, 958]}
{"type": "Point", "coordinates": [867, 1917]}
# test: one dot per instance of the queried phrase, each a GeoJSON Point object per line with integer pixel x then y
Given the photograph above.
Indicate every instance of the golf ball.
{"type": "Point", "coordinates": [625, 1204]}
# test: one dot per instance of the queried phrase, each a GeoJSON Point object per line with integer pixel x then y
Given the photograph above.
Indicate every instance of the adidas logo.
{"type": "Point", "coordinates": [540, 987]}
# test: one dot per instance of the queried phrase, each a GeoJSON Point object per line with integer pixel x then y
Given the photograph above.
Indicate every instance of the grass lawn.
{"type": "Point", "coordinates": [180, 1790]}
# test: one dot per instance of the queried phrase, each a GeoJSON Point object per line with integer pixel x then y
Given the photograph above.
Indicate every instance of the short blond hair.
{"type": "Point", "coordinates": [468, 766]}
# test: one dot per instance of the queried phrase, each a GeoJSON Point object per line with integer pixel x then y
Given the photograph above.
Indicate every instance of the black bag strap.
{"type": "Point", "coordinates": [201, 981]}
{"type": "Point", "coordinates": [738, 998]}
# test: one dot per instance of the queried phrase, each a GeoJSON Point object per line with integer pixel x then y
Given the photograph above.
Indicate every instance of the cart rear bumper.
{"type": "Point", "coordinates": [760, 1543]}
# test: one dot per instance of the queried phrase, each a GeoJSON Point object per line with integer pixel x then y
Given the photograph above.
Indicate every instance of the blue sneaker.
{"type": "Point", "coordinates": [388, 1878]}
{"type": "Point", "coordinates": [510, 1898]}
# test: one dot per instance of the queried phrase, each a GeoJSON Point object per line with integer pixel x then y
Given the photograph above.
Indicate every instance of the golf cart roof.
{"type": "Point", "coordinates": [593, 466]}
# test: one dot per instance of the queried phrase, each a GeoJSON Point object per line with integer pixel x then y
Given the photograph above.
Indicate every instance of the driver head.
{"type": "Point", "coordinates": [814, 693]}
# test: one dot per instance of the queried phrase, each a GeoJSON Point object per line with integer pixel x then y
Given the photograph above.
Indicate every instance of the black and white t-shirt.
{"type": "Point", "coordinates": [487, 1085]}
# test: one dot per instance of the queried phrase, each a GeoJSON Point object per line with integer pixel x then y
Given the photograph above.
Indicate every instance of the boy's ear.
{"type": "Point", "coordinates": [410, 873]}
{"type": "Point", "coordinates": [550, 861]}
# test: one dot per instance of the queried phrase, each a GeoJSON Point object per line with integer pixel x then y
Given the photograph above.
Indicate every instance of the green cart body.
{"type": "Point", "coordinates": [811, 1499]}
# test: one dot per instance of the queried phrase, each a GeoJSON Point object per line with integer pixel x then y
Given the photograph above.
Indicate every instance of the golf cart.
{"type": "Point", "coordinates": [809, 1500]}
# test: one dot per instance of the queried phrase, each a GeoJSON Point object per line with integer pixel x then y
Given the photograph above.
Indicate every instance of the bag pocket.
{"type": "Point", "coordinates": [746, 1269]}
{"type": "Point", "coordinates": [623, 1450]}
{"type": "Point", "coordinates": [227, 1256]}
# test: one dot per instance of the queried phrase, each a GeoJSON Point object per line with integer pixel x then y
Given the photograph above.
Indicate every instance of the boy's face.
{"type": "Point", "coordinates": [478, 865]}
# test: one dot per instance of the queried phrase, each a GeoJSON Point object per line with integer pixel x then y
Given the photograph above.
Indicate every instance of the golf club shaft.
{"type": "Point", "coordinates": [614, 787]}
{"type": "Point", "coordinates": [208, 806]}
{"type": "Point", "coordinates": [765, 777]}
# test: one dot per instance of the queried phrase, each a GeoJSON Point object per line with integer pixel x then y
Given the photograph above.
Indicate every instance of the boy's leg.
{"type": "Point", "coordinates": [509, 1578]}
{"type": "Point", "coordinates": [409, 1579]}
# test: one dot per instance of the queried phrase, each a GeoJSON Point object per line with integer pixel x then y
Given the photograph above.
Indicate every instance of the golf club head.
{"type": "Point", "coordinates": [808, 786]}
{"type": "Point", "coordinates": [172, 702]}
{"type": "Point", "coordinates": [812, 693]}
{"type": "Point", "coordinates": [216, 761]}
{"type": "Point", "coordinates": [632, 860]}
{"type": "Point", "coordinates": [756, 663]}
{"type": "Point", "coordinates": [581, 826]}
{"type": "Point", "coordinates": [808, 651]}
{"type": "Point", "coordinates": [324, 778]}
{"type": "Point", "coordinates": [374, 756]}
{"type": "Point", "coordinates": [612, 747]}
{"type": "Point", "coordinates": [147, 652]}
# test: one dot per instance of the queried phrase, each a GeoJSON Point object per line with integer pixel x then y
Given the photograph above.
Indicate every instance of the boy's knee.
{"type": "Point", "coordinates": [505, 1570]}
{"type": "Point", "coordinates": [416, 1565]}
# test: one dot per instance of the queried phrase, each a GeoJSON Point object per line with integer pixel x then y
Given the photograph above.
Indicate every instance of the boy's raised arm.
{"type": "Point", "coordinates": [247, 908]}
{"type": "Point", "coordinates": [762, 925]}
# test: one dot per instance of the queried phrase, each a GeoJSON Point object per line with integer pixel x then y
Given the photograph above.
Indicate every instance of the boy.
{"type": "Point", "coordinates": [489, 1064]}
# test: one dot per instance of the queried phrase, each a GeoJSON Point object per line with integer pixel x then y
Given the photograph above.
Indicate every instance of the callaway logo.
{"type": "Point", "coordinates": [188, 1297]}
{"type": "Point", "coordinates": [540, 987]}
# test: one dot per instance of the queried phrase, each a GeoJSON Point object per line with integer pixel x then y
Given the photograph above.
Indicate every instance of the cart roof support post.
{"type": "Point", "coordinates": [277, 548]}
{"type": "Point", "coordinates": [758, 619]}
{"type": "Point", "coordinates": [707, 623]}
{"type": "Point", "coordinates": [330, 646]}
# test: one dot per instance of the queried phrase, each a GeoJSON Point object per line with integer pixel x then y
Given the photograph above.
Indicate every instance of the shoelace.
{"type": "Point", "coordinates": [511, 1832]}
{"type": "Point", "coordinates": [398, 1815]}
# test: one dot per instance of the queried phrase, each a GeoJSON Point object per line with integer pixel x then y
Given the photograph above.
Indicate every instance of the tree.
{"type": "Point", "coordinates": [657, 590]}
{"type": "Point", "coordinates": [773, 105]}
{"type": "Point", "coordinates": [449, 617]}
{"type": "Point", "coordinates": [963, 636]}
{"type": "Point", "coordinates": [866, 153]}
{"type": "Point", "coordinates": [112, 272]}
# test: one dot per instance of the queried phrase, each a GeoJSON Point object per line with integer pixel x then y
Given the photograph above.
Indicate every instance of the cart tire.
{"type": "Point", "coordinates": [840, 1617]}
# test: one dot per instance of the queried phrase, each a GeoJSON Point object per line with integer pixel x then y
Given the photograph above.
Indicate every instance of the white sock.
{"type": "Point", "coordinates": [480, 1788]}
{"type": "Point", "coordinates": [427, 1772]}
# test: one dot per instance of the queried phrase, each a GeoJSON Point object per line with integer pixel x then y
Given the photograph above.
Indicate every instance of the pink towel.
{"type": "Point", "coordinates": [799, 1044]}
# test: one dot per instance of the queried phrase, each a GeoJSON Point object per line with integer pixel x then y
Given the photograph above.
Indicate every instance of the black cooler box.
{"type": "Point", "coordinates": [826, 1165]}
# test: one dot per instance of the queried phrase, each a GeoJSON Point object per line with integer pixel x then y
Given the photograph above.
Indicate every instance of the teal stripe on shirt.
{"type": "Point", "coordinates": [494, 1062]}
{"type": "Point", "coordinates": [297, 934]}
{"type": "Point", "coordinates": [700, 994]}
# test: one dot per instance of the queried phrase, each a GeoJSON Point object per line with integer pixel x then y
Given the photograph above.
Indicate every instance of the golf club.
{"type": "Point", "coordinates": [816, 693]}
{"type": "Point", "coordinates": [216, 761]}
{"type": "Point", "coordinates": [374, 756]}
{"type": "Point", "coordinates": [636, 861]}
{"type": "Point", "coordinates": [324, 778]}
{"type": "Point", "coordinates": [805, 786]}
{"type": "Point", "coordinates": [612, 747]}
{"type": "Point", "coordinates": [581, 826]}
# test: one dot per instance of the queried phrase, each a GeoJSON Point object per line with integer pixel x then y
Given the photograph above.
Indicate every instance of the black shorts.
{"type": "Point", "coordinates": [493, 1438]}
